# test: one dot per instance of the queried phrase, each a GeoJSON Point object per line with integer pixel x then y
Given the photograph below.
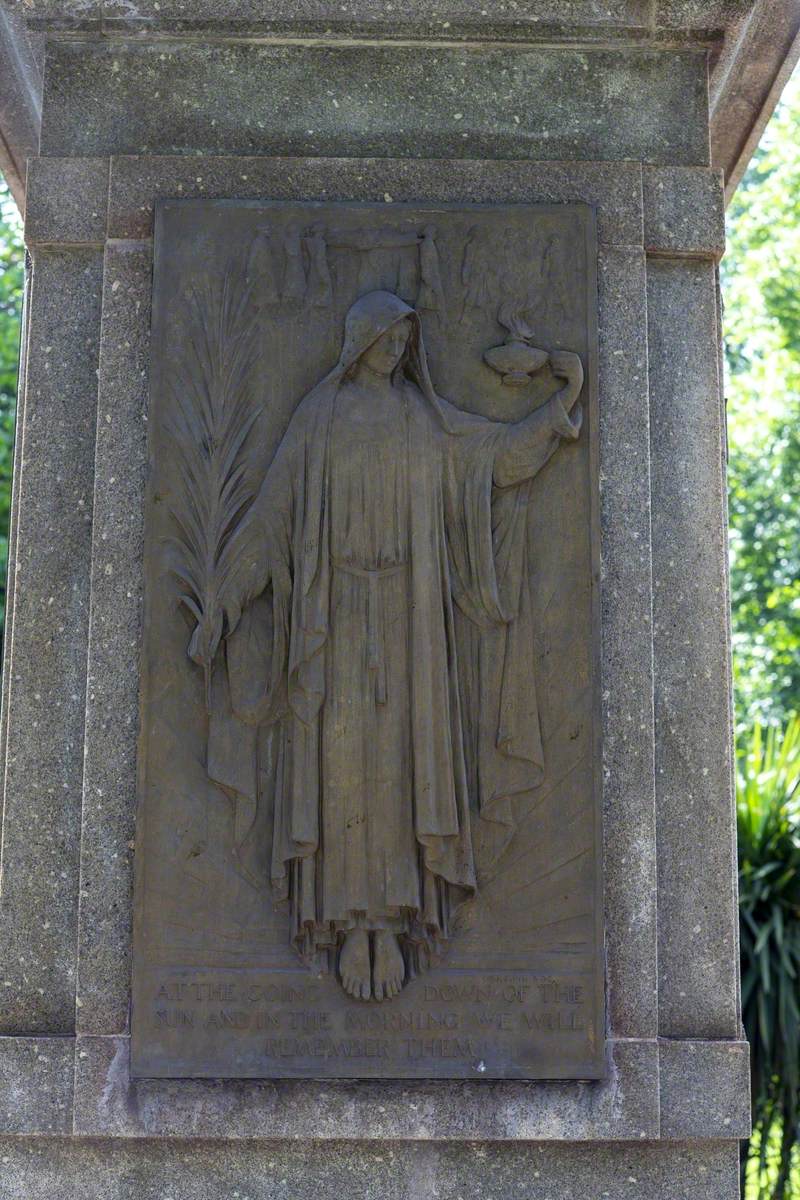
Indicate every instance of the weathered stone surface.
{"type": "Point", "coordinates": [705, 1089]}
{"type": "Point", "coordinates": [445, 18]}
{"type": "Point", "coordinates": [375, 101]}
{"type": "Point", "coordinates": [67, 199]}
{"type": "Point", "coordinates": [629, 802]}
{"type": "Point", "coordinates": [41, 1169]}
{"type": "Point", "coordinates": [700, 14]}
{"type": "Point", "coordinates": [696, 848]}
{"type": "Point", "coordinates": [59, 14]}
{"type": "Point", "coordinates": [622, 1108]}
{"type": "Point", "coordinates": [21, 52]}
{"type": "Point", "coordinates": [747, 81]}
{"type": "Point", "coordinates": [684, 211]}
{"type": "Point", "coordinates": [609, 12]}
{"type": "Point", "coordinates": [613, 188]}
{"type": "Point", "coordinates": [36, 1077]}
{"type": "Point", "coordinates": [109, 782]}
{"type": "Point", "coordinates": [45, 687]}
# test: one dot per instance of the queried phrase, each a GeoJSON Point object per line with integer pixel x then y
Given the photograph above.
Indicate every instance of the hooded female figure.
{"type": "Point", "coordinates": [376, 608]}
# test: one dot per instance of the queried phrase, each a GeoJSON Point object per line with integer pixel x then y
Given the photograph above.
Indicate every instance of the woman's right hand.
{"type": "Point", "coordinates": [206, 638]}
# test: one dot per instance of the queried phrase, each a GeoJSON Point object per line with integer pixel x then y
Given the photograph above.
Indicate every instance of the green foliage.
{"type": "Point", "coordinates": [762, 343]}
{"type": "Point", "coordinates": [762, 349]}
{"type": "Point", "coordinates": [11, 283]}
{"type": "Point", "coordinates": [768, 819]}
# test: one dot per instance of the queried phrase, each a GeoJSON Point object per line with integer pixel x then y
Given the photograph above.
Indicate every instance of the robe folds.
{"type": "Point", "coordinates": [460, 660]}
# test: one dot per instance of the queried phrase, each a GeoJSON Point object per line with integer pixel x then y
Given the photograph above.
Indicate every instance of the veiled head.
{"type": "Point", "coordinates": [380, 327]}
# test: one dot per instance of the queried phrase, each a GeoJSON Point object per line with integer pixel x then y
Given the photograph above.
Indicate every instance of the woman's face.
{"type": "Point", "coordinates": [385, 353]}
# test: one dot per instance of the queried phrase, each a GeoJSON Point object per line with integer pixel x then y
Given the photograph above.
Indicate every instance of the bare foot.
{"type": "Point", "coordinates": [354, 964]}
{"type": "Point", "coordinates": [390, 969]}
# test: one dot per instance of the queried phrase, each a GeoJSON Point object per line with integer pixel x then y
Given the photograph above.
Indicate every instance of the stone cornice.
{"type": "Point", "coordinates": [746, 84]}
{"type": "Point", "coordinates": [752, 46]}
{"type": "Point", "coordinates": [20, 99]}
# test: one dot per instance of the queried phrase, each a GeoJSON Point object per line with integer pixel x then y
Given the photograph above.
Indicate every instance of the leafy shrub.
{"type": "Point", "coordinates": [11, 277]}
{"type": "Point", "coordinates": [768, 819]}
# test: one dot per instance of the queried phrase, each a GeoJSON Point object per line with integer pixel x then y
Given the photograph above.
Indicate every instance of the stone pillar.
{"type": "Point", "coordinates": [381, 103]}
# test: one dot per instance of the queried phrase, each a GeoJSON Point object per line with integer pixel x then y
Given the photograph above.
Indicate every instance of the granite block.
{"type": "Point", "coordinates": [21, 53]}
{"type": "Point", "coordinates": [112, 716]}
{"type": "Point", "coordinates": [614, 188]}
{"type": "Point", "coordinates": [131, 97]}
{"type": "Point", "coordinates": [59, 14]}
{"type": "Point", "coordinates": [443, 19]}
{"type": "Point", "coordinates": [698, 955]}
{"type": "Point", "coordinates": [623, 1107]}
{"type": "Point", "coordinates": [66, 201]}
{"type": "Point", "coordinates": [705, 1089]}
{"type": "Point", "coordinates": [700, 14]}
{"type": "Point", "coordinates": [44, 688]}
{"type": "Point", "coordinates": [684, 211]}
{"type": "Point", "coordinates": [627, 662]}
{"type": "Point", "coordinates": [97, 1169]}
{"type": "Point", "coordinates": [36, 1077]}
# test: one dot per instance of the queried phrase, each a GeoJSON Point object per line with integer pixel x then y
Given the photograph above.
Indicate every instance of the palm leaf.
{"type": "Point", "coordinates": [213, 408]}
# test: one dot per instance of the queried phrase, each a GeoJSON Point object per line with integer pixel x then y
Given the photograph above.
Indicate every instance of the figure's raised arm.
{"type": "Point", "coordinates": [527, 445]}
{"type": "Point", "coordinates": [567, 366]}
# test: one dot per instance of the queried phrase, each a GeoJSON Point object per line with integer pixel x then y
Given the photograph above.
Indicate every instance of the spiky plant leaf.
{"type": "Point", "coordinates": [768, 819]}
{"type": "Point", "coordinates": [213, 410]}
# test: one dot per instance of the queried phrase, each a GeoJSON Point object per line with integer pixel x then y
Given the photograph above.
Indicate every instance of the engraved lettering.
{"type": "Point", "coordinates": [496, 1020]}
{"type": "Point", "coordinates": [438, 1048]}
{"type": "Point", "coordinates": [175, 1018]}
{"type": "Point", "coordinates": [226, 1019]}
{"type": "Point", "coordinates": [288, 1047]}
{"type": "Point", "coordinates": [398, 1022]}
{"type": "Point", "coordinates": [309, 1022]}
{"type": "Point", "coordinates": [559, 1021]}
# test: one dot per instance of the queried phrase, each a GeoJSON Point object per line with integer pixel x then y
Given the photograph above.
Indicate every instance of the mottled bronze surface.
{"type": "Point", "coordinates": [369, 829]}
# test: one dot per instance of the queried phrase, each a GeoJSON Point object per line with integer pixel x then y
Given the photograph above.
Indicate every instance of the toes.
{"type": "Point", "coordinates": [378, 992]}
{"type": "Point", "coordinates": [365, 990]}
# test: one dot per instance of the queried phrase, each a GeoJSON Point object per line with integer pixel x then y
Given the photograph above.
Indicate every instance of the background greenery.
{"type": "Point", "coordinates": [761, 287]}
{"type": "Point", "coordinates": [768, 818]}
{"type": "Point", "coordinates": [11, 276]}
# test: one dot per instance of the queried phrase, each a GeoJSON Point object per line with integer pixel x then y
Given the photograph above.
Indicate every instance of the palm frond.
{"type": "Point", "coordinates": [213, 408]}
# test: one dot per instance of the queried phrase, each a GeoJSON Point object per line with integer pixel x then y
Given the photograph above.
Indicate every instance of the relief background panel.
{"type": "Point", "coordinates": [537, 911]}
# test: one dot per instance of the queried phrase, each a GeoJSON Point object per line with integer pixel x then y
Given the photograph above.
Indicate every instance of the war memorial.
{"type": "Point", "coordinates": [366, 727]}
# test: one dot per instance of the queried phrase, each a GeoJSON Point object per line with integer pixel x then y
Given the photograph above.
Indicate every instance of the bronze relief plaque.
{"type": "Point", "coordinates": [369, 837]}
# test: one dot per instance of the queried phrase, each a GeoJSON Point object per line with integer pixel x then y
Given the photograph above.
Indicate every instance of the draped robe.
{"type": "Point", "coordinates": [387, 663]}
